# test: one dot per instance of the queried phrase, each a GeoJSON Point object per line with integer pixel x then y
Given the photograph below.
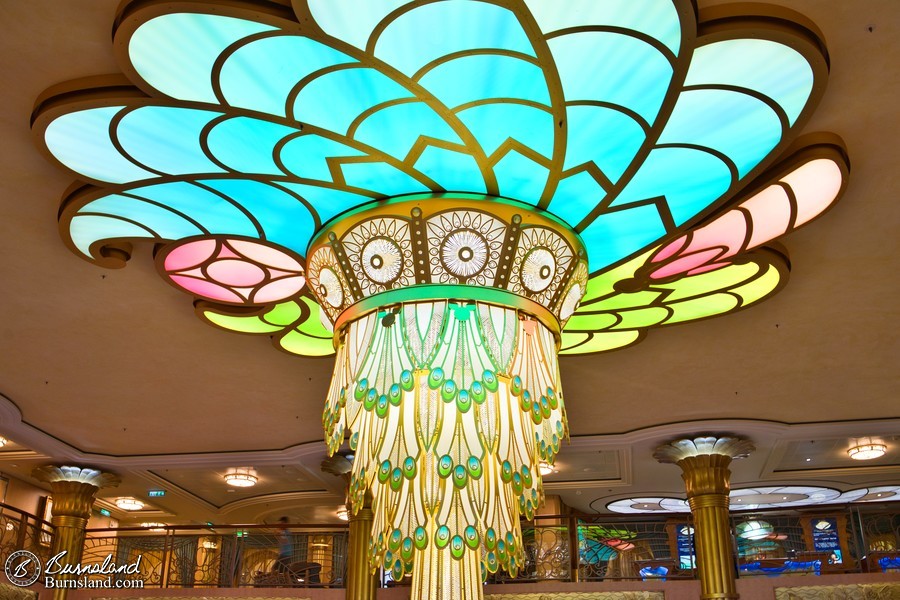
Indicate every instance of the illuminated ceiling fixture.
{"type": "Point", "coordinates": [343, 513]}
{"type": "Point", "coordinates": [3, 441]}
{"type": "Point", "coordinates": [559, 180]}
{"type": "Point", "coordinates": [156, 527]}
{"type": "Point", "coordinates": [754, 530]}
{"type": "Point", "coordinates": [867, 449]}
{"type": "Point", "coordinates": [129, 503]}
{"type": "Point", "coordinates": [241, 476]}
{"type": "Point", "coordinates": [545, 468]}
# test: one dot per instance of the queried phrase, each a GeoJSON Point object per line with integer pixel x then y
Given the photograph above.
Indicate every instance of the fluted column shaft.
{"type": "Point", "coordinates": [706, 479]}
{"type": "Point", "coordinates": [360, 580]}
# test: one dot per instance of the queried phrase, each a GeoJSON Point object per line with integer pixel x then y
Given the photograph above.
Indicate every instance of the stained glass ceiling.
{"type": "Point", "coordinates": [670, 146]}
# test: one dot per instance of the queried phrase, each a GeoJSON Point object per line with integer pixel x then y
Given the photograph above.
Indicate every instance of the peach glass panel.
{"type": "Point", "coordinates": [816, 184]}
{"type": "Point", "coordinates": [771, 214]}
{"type": "Point", "coordinates": [190, 254]}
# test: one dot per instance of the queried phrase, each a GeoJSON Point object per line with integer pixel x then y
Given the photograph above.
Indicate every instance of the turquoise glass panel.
{"type": "Point", "coordinates": [494, 123]}
{"type": "Point", "coordinates": [477, 77]}
{"type": "Point", "coordinates": [283, 218]}
{"type": "Point", "coordinates": [328, 202]}
{"type": "Point", "coordinates": [175, 53]}
{"type": "Point", "coordinates": [612, 67]}
{"type": "Point", "coordinates": [334, 100]}
{"type": "Point", "coordinates": [613, 236]}
{"type": "Point", "coordinates": [743, 128]}
{"type": "Point", "coordinates": [167, 139]}
{"type": "Point", "coordinates": [605, 136]}
{"type": "Point", "coordinates": [429, 32]}
{"type": "Point", "coordinates": [395, 129]}
{"type": "Point", "coordinates": [247, 145]}
{"type": "Point", "coordinates": [575, 197]}
{"type": "Point", "coordinates": [305, 156]}
{"type": "Point", "coordinates": [352, 20]}
{"type": "Point", "coordinates": [380, 178]}
{"type": "Point", "coordinates": [160, 220]}
{"type": "Point", "coordinates": [261, 75]}
{"type": "Point", "coordinates": [779, 72]}
{"type": "Point", "coordinates": [656, 18]}
{"type": "Point", "coordinates": [521, 178]}
{"type": "Point", "coordinates": [80, 141]}
{"type": "Point", "coordinates": [454, 171]}
{"type": "Point", "coordinates": [87, 229]}
{"type": "Point", "coordinates": [689, 180]}
{"type": "Point", "coordinates": [211, 211]}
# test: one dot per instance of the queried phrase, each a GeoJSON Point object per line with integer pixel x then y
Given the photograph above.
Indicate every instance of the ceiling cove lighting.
{"type": "Point", "coordinates": [867, 449]}
{"type": "Point", "coordinates": [449, 220]}
{"type": "Point", "coordinates": [241, 476]}
{"type": "Point", "coordinates": [343, 513]}
{"type": "Point", "coordinates": [545, 468]}
{"type": "Point", "coordinates": [129, 503]}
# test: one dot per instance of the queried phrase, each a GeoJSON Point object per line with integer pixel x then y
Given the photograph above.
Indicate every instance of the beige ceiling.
{"type": "Point", "coordinates": [112, 368]}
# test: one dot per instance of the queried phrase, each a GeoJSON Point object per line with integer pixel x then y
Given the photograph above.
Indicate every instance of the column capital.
{"type": "Point", "coordinates": [52, 474]}
{"type": "Point", "coordinates": [732, 446]}
{"type": "Point", "coordinates": [73, 489]}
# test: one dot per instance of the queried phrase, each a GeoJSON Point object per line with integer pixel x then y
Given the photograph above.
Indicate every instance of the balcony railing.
{"type": "Point", "coordinates": [820, 540]}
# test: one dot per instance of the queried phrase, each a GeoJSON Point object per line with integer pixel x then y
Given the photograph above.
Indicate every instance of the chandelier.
{"type": "Point", "coordinates": [241, 476]}
{"type": "Point", "coordinates": [448, 208]}
{"type": "Point", "coordinates": [867, 449]}
{"type": "Point", "coordinates": [129, 503]}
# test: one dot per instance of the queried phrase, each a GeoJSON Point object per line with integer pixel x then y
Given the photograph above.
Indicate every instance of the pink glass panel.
{"type": "Point", "coordinates": [206, 289]}
{"type": "Point", "coordinates": [686, 263]}
{"type": "Point", "coordinates": [266, 255]}
{"type": "Point", "coordinates": [226, 252]}
{"type": "Point", "coordinates": [280, 289]}
{"type": "Point", "coordinates": [189, 255]}
{"type": "Point", "coordinates": [816, 184]}
{"type": "Point", "coordinates": [670, 249]}
{"type": "Point", "coordinates": [236, 273]}
{"type": "Point", "coordinates": [708, 268]}
{"type": "Point", "coordinates": [728, 231]}
{"type": "Point", "coordinates": [771, 213]}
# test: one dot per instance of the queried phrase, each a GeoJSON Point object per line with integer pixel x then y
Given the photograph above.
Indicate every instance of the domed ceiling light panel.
{"type": "Point", "coordinates": [448, 208]}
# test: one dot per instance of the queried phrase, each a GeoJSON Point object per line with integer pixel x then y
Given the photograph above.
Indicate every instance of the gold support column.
{"type": "Point", "coordinates": [704, 464]}
{"type": "Point", "coordinates": [74, 489]}
{"type": "Point", "coordinates": [360, 579]}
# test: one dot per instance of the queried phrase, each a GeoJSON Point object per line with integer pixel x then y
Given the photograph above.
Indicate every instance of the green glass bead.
{"type": "Point", "coordinates": [473, 465]}
{"type": "Point", "coordinates": [354, 441]}
{"type": "Point", "coordinates": [515, 386]}
{"type": "Point", "coordinates": [526, 476]}
{"type": "Point", "coordinates": [436, 378]}
{"type": "Point", "coordinates": [478, 392]}
{"type": "Point", "coordinates": [445, 466]}
{"type": "Point", "coordinates": [442, 536]}
{"type": "Point", "coordinates": [394, 394]}
{"type": "Point", "coordinates": [406, 380]}
{"type": "Point", "coordinates": [396, 479]}
{"type": "Point", "coordinates": [506, 471]}
{"type": "Point", "coordinates": [492, 563]}
{"type": "Point", "coordinates": [517, 483]}
{"type": "Point", "coordinates": [397, 570]}
{"type": "Point", "coordinates": [448, 390]}
{"type": "Point", "coordinates": [471, 537]}
{"type": "Point", "coordinates": [490, 538]}
{"type": "Point", "coordinates": [409, 467]}
{"type": "Point", "coordinates": [406, 549]}
{"type": "Point", "coordinates": [463, 401]}
{"type": "Point", "coordinates": [490, 380]}
{"type": "Point", "coordinates": [420, 538]}
{"type": "Point", "coordinates": [384, 471]}
{"type": "Point", "coordinates": [370, 399]}
{"type": "Point", "coordinates": [545, 407]}
{"type": "Point", "coordinates": [457, 547]}
{"type": "Point", "coordinates": [381, 407]}
{"type": "Point", "coordinates": [460, 476]}
{"type": "Point", "coordinates": [361, 388]}
{"type": "Point", "coordinates": [388, 560]}
{"type": "Point", "coordinates": [394, 540]}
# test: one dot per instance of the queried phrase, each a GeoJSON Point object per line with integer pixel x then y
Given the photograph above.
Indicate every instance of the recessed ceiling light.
{"type": "Point", "coordinates": [545, 468]}
{"type": "Point", "coordinates": [241, 476]}
{"type": "Point", "coordinates": [129, 503]}
{"type": "Point", "coordinates": [343, 514]}
{"type": "Point", "coordinates": [867, 450]}
{"type": "Point", "coordinates": [808, 459]}
{"type": "Point", "coordinates": [3, 441]}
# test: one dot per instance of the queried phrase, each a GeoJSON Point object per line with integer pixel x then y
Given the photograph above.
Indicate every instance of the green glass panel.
{"type": "Point", "coordinates": [575, 197]}
{"type": "Point", "coordinates": [297, 343]}
{"type": "Point", "coordinates": [689, 180]}
{"type": "Point", "coordinates": [454, 171]}
{"type": "Point", "coordinates": [247, 145]}
{"type": "Point", "coordinates": [483, 76]}
{"type": "Point", "coordinates": [605, 341]}
{"type": "Point", "coordinates": [612, 67]}
{"type": "Point", "coordinates": [312, 326]}
{"type": "Point", "coordinates": [240, 324]}
{"type": "Point", "coordinates": [624, 301]}
{"type": "Point", "coordinates": [211, 211]}
{"type": "Point", "coordinates": [448, 27]}
{"type": "Point", "coordinates": [87, 229]}
{"type": "Point", "coordinates": [705, 283]}
{"type": "Point", "coordinates": [614, 235]}
{"type": "Point", "coordinates": [656, 18]}
{"type": "Point", "coordinates": [328, 202]}
{"type": "Point", "coordinates": [758, 288]}
{"type": "Point", "coordinates": [743, 128]}
{"type": "Point", "coordinates": [645, 317]}
{"type": "Point", "coordinates": [381, 178]}
{"type": "Point", "coordinates": [773, 69]}
{"type": "Point", "coordinates": [80, 140]}
{"type": "Point", "coordinates": [602, 284]}
{"type": "Point", "coordinates": [167, 139]}
{"type": "Point", "coordinates": [352, 20]}
{"type": "Point", "coordinates": [521, 178]}
{"type": "Point", "coordinates": [162, 221]}
{"type": "Point", "coordinates": [333, 100]}
{"type": "Point", "coordinates": [284, 314]}
{"type": "Point", "coordinates": [306, 156]}
{"type": "Point", "coordinates": [283, 218]}
{"type": "Point", "coordinates": [591, 322]}
{"type": "Point", "coordinates": [494, 123]}
{"type": "Point", "coordinates": [261, 75]}
{"type": "Point", "coordinates": [572, 339]}
{"type": "Point", "coordinates": [607, 137]}
{"type": "Point", "coordinates": [406, 123]}
{"type": "Point", "coordinates": [175, 53]}
{"type": "Point", "coordinates": [705, 306]}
